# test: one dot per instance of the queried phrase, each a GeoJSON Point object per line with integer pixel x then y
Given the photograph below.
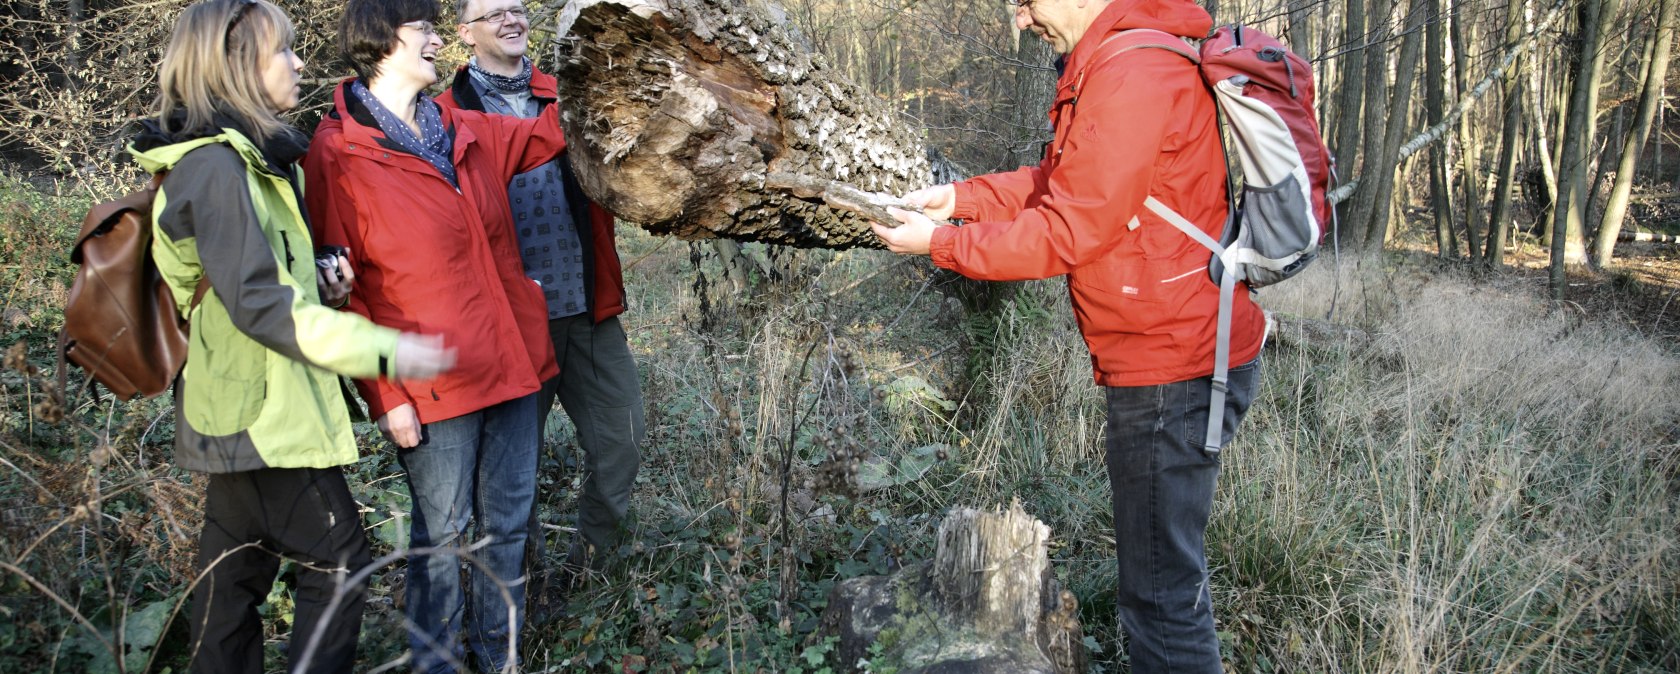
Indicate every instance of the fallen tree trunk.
{"type": "Point", "coordinates": [710, 118]}
{"type": "Point", "coordinates": [1648, 236]}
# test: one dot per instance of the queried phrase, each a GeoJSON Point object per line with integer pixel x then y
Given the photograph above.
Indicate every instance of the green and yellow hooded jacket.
{"type": "Point", "coordinates": [259, 389]}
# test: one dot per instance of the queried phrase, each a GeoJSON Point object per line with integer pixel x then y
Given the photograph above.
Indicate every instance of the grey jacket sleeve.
{"type": "Point", "coordinates": [208, 200]}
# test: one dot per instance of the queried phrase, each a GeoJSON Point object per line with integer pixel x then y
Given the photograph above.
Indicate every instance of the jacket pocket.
{"type": "Point", "coordinates": [1131, 296]}
{"type": "Point", "coordinates": [226, 376]}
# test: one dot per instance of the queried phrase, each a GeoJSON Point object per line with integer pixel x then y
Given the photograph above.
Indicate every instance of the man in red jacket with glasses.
{"type": "Point", "coordinates": [1127, 126]}
{"type": "Point", "coordinates": [567, 246]}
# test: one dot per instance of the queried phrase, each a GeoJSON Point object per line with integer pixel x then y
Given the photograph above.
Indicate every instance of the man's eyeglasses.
{"type": "Point", "coordinates": [501, 16]}
{"type": "Point", "coordinates": [425, 27]}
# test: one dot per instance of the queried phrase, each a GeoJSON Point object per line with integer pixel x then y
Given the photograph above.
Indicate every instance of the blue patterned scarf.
{"type": "Point", "coordinates": [433, 144]}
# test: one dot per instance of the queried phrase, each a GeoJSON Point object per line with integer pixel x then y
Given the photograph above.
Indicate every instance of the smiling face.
{"type": "Point", "coordinates": [496, 43]}
{"type": "Point", "coordinates": [410, 61]}
{"type": "Point", "coordinates": [1059, 22]}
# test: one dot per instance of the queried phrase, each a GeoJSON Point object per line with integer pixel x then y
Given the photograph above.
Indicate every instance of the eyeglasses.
{"type": "Point", "coordinates": [425, 27]}
{"type": "Point", "coordinates": [500, 16]}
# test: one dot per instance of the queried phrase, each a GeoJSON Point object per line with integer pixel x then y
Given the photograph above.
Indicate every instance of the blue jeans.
{"type": "Point", "coordinates": [480, 467]}
{"type": "Point", "coordinates": [1163, 484]}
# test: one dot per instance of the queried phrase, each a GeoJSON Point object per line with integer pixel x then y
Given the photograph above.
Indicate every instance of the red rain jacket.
{"type": "Point", "coordinates": [1135, 125]}
{"type": "Point", "coordinates": [431, 259]}
{"type": "Point", "coordinates": [604, 274]}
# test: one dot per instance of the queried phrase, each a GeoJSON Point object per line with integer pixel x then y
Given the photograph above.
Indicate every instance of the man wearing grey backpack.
{"type": "Point", "coordinates": [1128, 127]}
{"type": "Point", "coordinates": [568, 248]}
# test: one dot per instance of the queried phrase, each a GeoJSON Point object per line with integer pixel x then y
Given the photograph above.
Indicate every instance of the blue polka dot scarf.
{"type": "Point", "coordinates": [433, 144]}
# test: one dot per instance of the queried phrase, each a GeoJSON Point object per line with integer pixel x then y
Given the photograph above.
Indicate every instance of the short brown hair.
{"type": "Point", "coordinates": [368, 31]}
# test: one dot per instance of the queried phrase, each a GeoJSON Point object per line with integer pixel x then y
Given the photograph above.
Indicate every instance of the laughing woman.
{"type": "Point", "coordinates": [418, 193]}
{"type": "Point", "coordinates": [258, 406]}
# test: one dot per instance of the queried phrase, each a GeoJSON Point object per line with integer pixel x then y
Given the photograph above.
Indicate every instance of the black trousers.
{"type": "Point", "coordinates": [306, 514]}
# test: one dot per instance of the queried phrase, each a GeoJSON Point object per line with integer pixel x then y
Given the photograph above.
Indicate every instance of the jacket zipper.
{"type": "Point", "coordinates": [286, 242]}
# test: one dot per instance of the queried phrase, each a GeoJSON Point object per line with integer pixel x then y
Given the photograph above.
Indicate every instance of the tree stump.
{"type": "Point", "coordinates": [710, 118]}
{"type": "Point", "coordinates": [988, 603]}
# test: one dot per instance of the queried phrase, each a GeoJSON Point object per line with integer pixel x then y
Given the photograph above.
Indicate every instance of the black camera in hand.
{"type": "Point", "coordinates": [326, 257]}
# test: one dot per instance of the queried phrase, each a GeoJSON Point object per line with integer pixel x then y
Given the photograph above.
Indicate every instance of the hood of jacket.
{"type": "Point", "coordinates": [461, 92]}
{"type": "Point", "coordinates": [157, 149]}
{"type": "Point", "coordinates": [349, 115]}
{"type": "Point", "coordinates": [1182, 18]}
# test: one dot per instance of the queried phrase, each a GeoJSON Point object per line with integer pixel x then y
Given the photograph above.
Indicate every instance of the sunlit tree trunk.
{"type": "Point", "coordinates": [1510, 141]}
{"type": "Point", "coordinates": [1434, 104]}
{"type": "Point", "coordinates": [1576, 140]}
{"type": "Point", "coordinates": [1656, 58]}
{"type": "Point", "coordinates": [1469, 139]}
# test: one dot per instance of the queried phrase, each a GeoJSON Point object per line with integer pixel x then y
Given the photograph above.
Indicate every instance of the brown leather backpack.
{"type": "Point", "coordinates": [120, 323]}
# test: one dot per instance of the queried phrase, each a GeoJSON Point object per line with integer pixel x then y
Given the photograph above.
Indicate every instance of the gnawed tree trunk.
{"type": "Point", "coordinates": [707, 119]}
{"type": "Point", "coordinates": [988, 603]}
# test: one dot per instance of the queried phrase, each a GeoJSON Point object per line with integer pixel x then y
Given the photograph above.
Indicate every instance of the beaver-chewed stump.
{"type": "Point", "coordinates": [709, 118]}
{"type": "Point", "coordinates": [988, 603]}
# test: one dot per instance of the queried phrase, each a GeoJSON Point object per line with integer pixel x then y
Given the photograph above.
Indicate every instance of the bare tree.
{"type": "Point", "coordinates": [1570, 213]}
{"type": "Point", "coordinates": [1434, 82]}
{"type": "Point", "coordinates": [1658, 47]}
{"type": "Point", "coordinates": [1510, 140]}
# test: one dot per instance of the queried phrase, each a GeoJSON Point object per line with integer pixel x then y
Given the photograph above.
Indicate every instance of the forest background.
{"type": "Point", "coordinates": [1462, 459]}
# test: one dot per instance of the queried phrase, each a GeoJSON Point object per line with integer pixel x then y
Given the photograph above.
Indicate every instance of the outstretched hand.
{"type": "Point", "coordinates": [912, 236]}
{"type": "Point", "coordinates": [937, 202]}
{"type": "Point", "coordinates": [914, 233]}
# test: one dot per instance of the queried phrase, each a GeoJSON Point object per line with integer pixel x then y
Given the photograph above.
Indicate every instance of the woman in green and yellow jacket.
{"type": "Point", "coordinates": [258, 405]}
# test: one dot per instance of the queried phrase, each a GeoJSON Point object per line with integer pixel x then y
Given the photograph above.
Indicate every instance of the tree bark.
{"type": "Point", "coordinates": [1657, 52]}
{"type": "Point", "coordinates": [1384, 163]}
{"type": "Point", "coordinates": [1375, 117]}
{"type": "Point", "coordinates": [1434, 101]}
{"type": "Point", "coordinates": [707, 118]}
{"type": "Point", "coordinates": [988, 602]}
{"type": "Point", "coordinates": [1568, 216]}
{"type": "Point", "coordinates": [1301, 33]}
{"type": "Point", "coordinates": [1035, 92]}
{"type": "Point", "coordinates": [1510, 139]}
{"type": "Point", "coordinates": [1469, 141]}
{"type": "Point", "coordinates": [1405, 76]}
{"type": "Point", "coordinates": [1349, 100]}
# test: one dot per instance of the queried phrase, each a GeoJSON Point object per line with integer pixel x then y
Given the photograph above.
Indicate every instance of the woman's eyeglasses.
{"type": "Point", "coordinates": [425, 27]}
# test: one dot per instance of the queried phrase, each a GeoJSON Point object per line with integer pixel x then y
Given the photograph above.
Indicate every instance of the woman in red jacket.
{"type": "Point", "coordinates": [418, 194]}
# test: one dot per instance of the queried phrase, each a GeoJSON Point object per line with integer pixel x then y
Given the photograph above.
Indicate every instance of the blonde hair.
{"type": "Point", "coordinates": [214, 65]}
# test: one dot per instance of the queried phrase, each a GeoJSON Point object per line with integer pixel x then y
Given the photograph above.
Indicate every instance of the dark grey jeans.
{"type": "Point", "coordinates": [601, 393]}
{"type": "Point", "coordinates": [1163, 484]}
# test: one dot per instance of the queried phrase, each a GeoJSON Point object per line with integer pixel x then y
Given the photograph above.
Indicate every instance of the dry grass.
{"type": "Point", "coordinates": [1486, 485]}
